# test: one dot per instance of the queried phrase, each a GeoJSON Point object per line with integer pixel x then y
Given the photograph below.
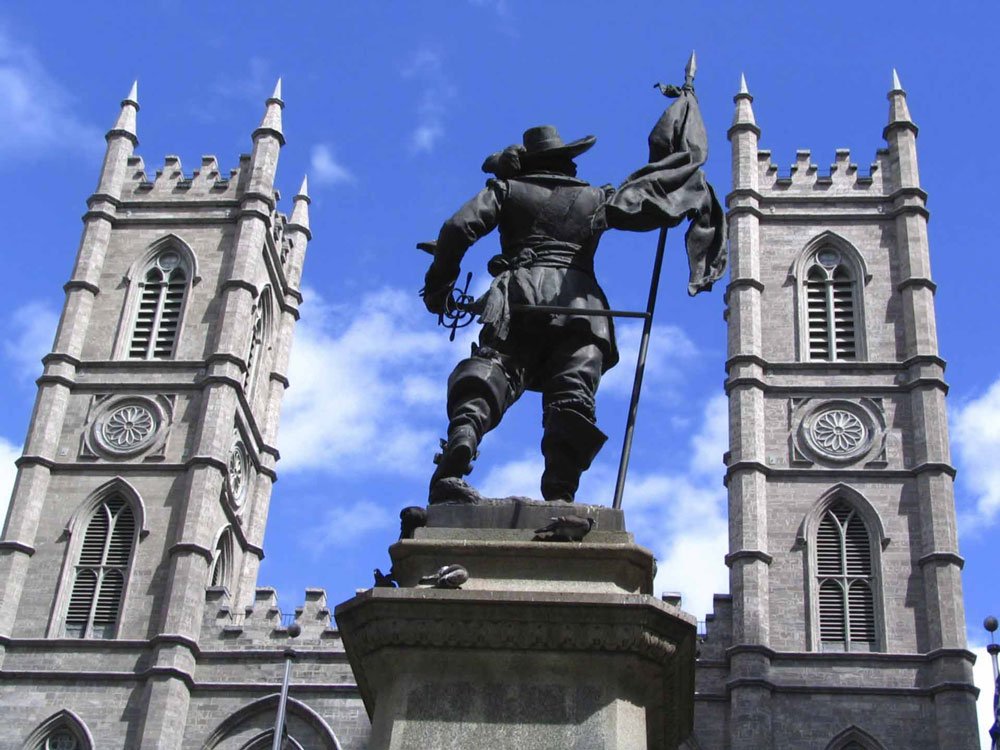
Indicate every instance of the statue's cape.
{"type": "Point", "coordinates": [672, 187]}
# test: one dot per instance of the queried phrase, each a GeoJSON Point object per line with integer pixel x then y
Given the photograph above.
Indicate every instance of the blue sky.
{"type": "Point", "coordinates": [391, 108]}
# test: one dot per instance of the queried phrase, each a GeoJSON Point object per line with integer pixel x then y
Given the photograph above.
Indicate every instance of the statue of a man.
{"type": "Point", "coordinates": [550, 223]}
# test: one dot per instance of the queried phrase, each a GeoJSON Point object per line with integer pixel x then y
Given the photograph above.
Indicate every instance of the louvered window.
{"type": "Point", "coordinates": [99, 575]}
{"type": "Point", "coordinates": [259, 341]}
{"type": "Point", "coordinates": [158, 313]}
{"type": "Point", "coordinates": [845, 581]}
{"type": "Point", "coordinates": [831, 317]}
{"type": "Point", "coordinates": [61, 739]}
{"type": "Point", "coordinates": [223, 561]}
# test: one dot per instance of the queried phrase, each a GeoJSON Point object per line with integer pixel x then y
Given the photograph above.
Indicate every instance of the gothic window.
{"type": "Point", "coordinates": [101, 569]}
{"type": "Point", "coordinates": [830, 302]}
{"type": "Point", "coordinates": [260, 341]}
{"type": "Point", "coordinates": [845, 580]}
{"type": "Point", "coordinates": [222, 561]}
{"type": "Point", "coordinates": [160, 300]}
{"type": "Point", "coordinates": [64, 730]}
{"type": "Point", "coordinates": [61, 739]}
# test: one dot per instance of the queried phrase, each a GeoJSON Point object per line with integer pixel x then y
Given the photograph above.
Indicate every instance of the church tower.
{"type": "Point", "coordinates": [845, 576]}
{"type": "Point", "coordinates": [148, 464]}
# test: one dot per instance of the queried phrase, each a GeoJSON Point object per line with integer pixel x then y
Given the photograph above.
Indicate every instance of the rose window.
{"type": "Point", "coordinates": [236, 474]}
{"type": "Point", "coordinates": [838, 432]}
{"type": "Point", "coordinates": [128, 427]}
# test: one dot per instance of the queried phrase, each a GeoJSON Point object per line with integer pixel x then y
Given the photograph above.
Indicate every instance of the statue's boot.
{"type": "Point", "coordinates": [569, 444]}
{"type": "Point", "coordinates": [465, 430]}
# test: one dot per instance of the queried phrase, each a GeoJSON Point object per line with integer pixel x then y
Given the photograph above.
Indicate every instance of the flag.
{"type": "Point", "coordinates": [672, 187]}
{"type": "Point", "coordinates": [995, 729]}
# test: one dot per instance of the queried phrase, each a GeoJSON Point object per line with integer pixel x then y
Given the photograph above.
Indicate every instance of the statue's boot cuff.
{"type": "Point", "coordinates": [570, 444]}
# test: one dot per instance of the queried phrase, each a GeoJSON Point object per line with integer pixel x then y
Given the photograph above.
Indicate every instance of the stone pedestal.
{"type": "Point", "coordinates": [548, 645]}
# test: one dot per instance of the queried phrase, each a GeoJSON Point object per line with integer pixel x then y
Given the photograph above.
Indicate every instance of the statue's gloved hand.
{"type": "Point", "coordinates": [437, 289]}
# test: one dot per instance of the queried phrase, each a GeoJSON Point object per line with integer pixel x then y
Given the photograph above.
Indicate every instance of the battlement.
{"type": "Point", "coordinates": [263, 624]}
{"type": "Point", "coordinates": [843, 178]}
{"type": "Point", "coordinates": [169, 182]}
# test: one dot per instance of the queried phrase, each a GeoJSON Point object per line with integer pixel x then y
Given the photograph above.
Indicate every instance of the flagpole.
{"type": "Point", "coordinates": [647, 326]}
{"type": "Point", "coordinates": [640, 367]}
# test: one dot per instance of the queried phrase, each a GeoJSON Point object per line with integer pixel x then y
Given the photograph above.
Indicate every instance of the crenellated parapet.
{"type": "Point", "coordinates": [804, 177]}
{"type": "Point", "coordinates": [263, 624]}
{"type": "Point", "coordinates": [170, 183]}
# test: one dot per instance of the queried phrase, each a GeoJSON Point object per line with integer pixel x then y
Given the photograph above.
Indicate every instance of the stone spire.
{"type": "Point", "coordinates": [125, 124]}
{"type": "Point", "coordinates": [300, 212]}
{"type": "Point", "coordinates": [744, 106]}
{"type": "Point", "coordinates": [271, 124]}
{"type": "Point", "coordinates": [899, 112]}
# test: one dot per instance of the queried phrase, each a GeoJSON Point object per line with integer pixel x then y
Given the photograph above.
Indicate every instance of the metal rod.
{"type": "Point", "coordinates": [557, 310]}
{"type": "Point", "coordinates": [640, 367]}
{"type": "Point", "coordinates": [279, 722]}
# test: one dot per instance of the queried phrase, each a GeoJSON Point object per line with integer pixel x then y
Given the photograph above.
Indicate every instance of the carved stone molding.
{"type": "Point", "coordinates": [121, 427]}
{"type": "Point", "coordinates": [511, 635]}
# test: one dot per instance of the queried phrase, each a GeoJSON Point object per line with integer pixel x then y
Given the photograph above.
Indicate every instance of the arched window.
{"type": "Point", "coordinates": [222, 561]}
{"type": "Point", "coordinates": [64, 730]}
{"type": "Point", "coordinates": [845, 580]}
{"type": "Point", "coordinates": [101, 569]}
{"type": "Point", "coordinates": [61, 739]}
{"type": "Point", "coordinates": [831, 275]}
{"type": "Point", "coordinates": [830, 302]}
{"type": "Point", "coordinates": [260, 341]}
{"type": "Point", "coordinates": [161, 293]}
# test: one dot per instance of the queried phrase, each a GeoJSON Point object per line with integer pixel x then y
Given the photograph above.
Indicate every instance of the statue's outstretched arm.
{"type": "Point", "coordinates": [475, 219]}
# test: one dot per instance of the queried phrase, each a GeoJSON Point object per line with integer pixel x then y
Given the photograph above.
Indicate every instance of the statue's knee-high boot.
{"type": "Point", "coordinates": [569, 444]}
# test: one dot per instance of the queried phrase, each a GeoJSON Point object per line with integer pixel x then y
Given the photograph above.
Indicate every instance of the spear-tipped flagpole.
{"type": "Point", "coordinates": [647, 327]}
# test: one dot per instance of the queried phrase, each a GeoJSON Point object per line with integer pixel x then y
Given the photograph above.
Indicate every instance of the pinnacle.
{"type": "Point", "coordinates": [125, 124]}
{"type": "Point", "coordinates": [896, 85]}
{"type": "Point", "coordinates": [304, 188]}
{"type": "Point", "coordinates": [743, 116]}
{"type": "Point", "coordinates": [271, 122]}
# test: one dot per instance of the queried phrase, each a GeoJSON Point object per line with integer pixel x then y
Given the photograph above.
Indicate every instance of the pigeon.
{"type": "Point", "coordinates": [447, 577]}
{"type": "Point", "coordinates": [383, 581]}
{"type": "Point", "coordinates": [566, 529]}
{"type": "Point", "coordinates": [411, 519]}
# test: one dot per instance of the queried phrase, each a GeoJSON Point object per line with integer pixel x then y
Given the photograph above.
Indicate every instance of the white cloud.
{"type": "Point", "coordinates": [681, 516]}
{"type": "Point", "coordinates": [8, 453]}
{"type": "Point", "coordinates": [324, 167]}
{"type": "Point", "coordinates": [982, 674]}
{"type": "Point", "coordinates": [36, 110]}
{"type": "Point", "coordinates": [28, 336]}
{"type": "Point", "coordinates": [343, 526]}
{"type": "Point", "coordinates": [669, 351]}
{"type": "Point", "coordinates": [255, 81]}
{"type": "Point", "coordinates": [435, 94]}
{"type": "Point", "coordinates": [367, 387]}
{"type": "Point", "coordinates": [976, 428]}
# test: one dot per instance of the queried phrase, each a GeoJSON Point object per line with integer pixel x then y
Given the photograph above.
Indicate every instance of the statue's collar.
{"type": "Point", "coordinates": [550, 178]}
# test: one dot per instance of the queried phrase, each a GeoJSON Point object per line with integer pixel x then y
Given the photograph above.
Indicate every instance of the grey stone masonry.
{"type": "Point", "coordinates": [860, 422]}
{"type": "Point", "coordinates": [195, 655]}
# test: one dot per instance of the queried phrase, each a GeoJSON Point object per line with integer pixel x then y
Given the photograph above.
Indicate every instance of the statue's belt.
{"type": "Point", "coordinates": [494, 306]}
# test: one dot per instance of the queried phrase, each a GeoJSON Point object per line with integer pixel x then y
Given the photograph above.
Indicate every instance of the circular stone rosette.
{"type": "Point", "coordinates": [237, 472]}
{"type": "Point", "coordinates": [839, 432]}
{"type": "Point", "coordinates": [127, 428]}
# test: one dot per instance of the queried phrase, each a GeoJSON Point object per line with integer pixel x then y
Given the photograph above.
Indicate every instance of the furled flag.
{"type": "Point", "coordinates": [995, 729]}
{"type": "Point", "coordinates": [672, 187]}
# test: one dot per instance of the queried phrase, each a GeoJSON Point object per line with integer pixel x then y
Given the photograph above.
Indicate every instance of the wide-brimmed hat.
{"type": "Point", "coordinates": [544, 140]}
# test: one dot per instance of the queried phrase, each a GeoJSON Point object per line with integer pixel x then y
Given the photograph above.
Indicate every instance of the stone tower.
{"type": "Point", "coordinates": [845, 622]}
{"type": "Point", "coordinates": [148, 464]}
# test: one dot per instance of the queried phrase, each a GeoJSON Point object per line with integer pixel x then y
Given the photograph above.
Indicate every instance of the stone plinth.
{"type": "Point", "coordinates": [548, 645]}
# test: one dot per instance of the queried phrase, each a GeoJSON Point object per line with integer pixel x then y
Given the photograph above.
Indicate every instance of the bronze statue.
{"type": "Point", "coordinates": [546, 322]}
